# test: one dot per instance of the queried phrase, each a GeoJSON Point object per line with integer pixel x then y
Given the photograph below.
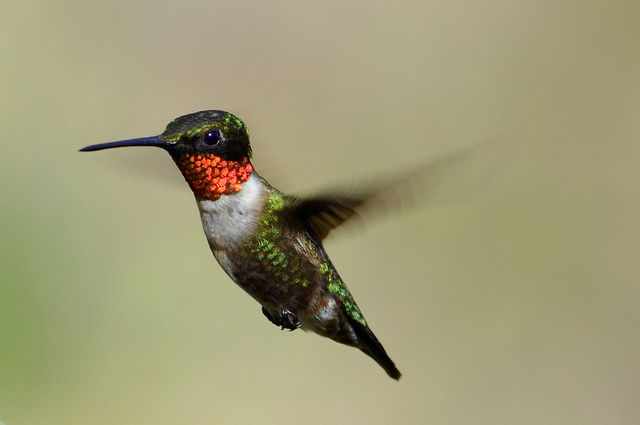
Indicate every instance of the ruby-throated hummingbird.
{"type": "Point", "coordinates": [268, 242]}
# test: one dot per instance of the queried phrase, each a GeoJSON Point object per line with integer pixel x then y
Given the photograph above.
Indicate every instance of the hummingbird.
{"type": "Point", "coordinates": [268, 242]}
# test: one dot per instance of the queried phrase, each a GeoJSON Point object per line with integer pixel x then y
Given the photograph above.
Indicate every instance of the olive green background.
{"type": "Point", "coordinates": [517, 305]}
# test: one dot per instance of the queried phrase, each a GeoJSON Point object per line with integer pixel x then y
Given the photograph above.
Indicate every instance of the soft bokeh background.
{"type": "Point", "coordinates": [520, 306]}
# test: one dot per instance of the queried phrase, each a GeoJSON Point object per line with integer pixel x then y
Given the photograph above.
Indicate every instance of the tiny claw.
{"type": "Point", "coordinates": [286, 319]}
{"type": "Point", "coordinates": [289, 321]}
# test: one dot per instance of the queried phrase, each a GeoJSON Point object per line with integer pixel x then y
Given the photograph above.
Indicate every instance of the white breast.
{"type": "Point", "coordinates": [228, 220]}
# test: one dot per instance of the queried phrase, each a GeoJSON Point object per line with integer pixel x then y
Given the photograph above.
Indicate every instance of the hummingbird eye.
{"type": "Point", "coordinates": [212, 138]}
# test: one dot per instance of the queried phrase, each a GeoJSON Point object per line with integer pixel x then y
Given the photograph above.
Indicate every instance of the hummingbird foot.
{"type": "Point", "coordinates": [285, 319]}
{"type": "Point", "coordinates": [289, 321]}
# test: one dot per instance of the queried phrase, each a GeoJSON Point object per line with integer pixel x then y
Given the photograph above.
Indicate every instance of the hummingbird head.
{"type": "Point", "coordinates": [207, 132]}
{"type": "Point", "coordinates": [211, 149]}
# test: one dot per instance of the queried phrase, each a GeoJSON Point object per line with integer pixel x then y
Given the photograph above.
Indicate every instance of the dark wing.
{"type": "Point", "coordinates": [456, 177]}
{"type": "Point", "coordinates": [323, 213]}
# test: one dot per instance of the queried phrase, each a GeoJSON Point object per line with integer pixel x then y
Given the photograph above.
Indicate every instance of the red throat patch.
{"type": "Point", "coordinates": [210, 177]}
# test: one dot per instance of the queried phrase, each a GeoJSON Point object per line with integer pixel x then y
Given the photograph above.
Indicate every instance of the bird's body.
{"type": "Point", "coordinates": [286, 271]}
{"type": "Point", "coordinates": [268, 242]}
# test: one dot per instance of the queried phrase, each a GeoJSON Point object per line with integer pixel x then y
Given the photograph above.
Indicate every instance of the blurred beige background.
{"type": "Point", "coordinates": [520, 306]}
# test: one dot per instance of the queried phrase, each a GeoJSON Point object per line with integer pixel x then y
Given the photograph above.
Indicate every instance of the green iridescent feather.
{"type": "Point", "coordinates": [203, 121]}
{"type": "Point", "coordinates": [288, 267]}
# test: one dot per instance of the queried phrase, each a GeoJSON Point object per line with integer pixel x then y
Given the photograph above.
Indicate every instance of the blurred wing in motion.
{"type": "Point", "coordinates": [457, 177]}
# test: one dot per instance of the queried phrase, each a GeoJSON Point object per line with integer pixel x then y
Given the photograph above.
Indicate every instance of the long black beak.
{"type": "Point", "coordinates": [143, 141]}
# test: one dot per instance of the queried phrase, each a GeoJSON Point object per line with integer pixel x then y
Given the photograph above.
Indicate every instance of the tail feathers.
{"type": "Point", "coordinates": [370, 345]}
